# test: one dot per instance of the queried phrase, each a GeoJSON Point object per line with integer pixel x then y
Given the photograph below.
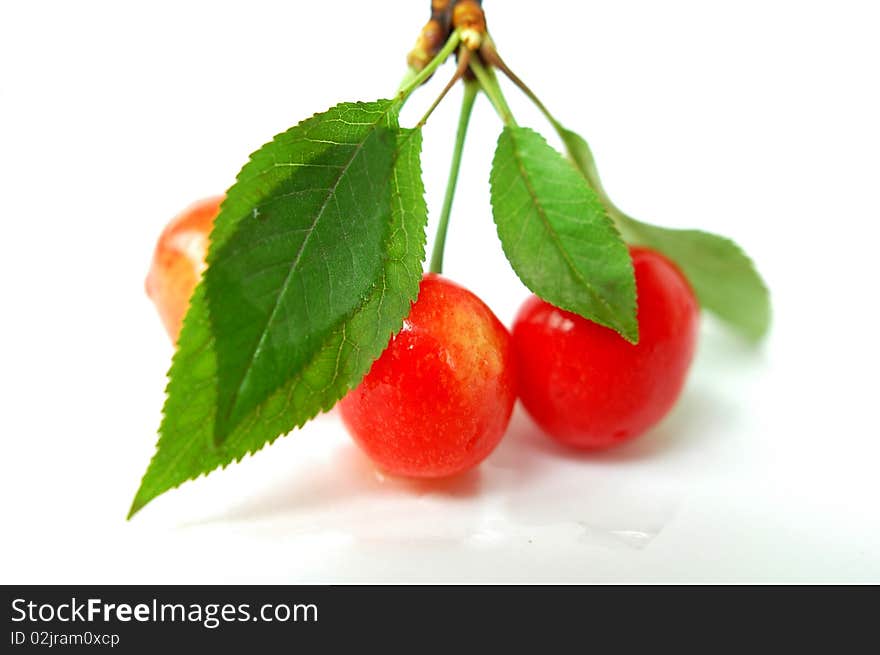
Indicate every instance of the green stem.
{"type": "Point", "coordinates": [496, 61]}
{"type": "Point", "coordinates": [464, 56]}
{"type": "Point", "coordinates": [586, 162]}
{"type": "Point", "coordinates": [467, 105]}
{"type": "Point", "coordinates": [537, 101]}
{"type": "Point", "coordinates": [409, 76]}
{"type": "Point", "coordinates": [587, 166]}
{"type": "Point", "coordinates": [489, 83]}
{"type": "Point", "coordinates": [411, 83]}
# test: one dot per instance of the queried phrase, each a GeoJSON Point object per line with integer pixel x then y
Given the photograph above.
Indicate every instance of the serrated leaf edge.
{"type": "Point", "coordinates": [630, 333]}
{"type": "Point", "coordinates": [411, 294]}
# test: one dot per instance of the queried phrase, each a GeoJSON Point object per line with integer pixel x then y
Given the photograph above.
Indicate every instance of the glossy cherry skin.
{"type": "Point", "coordinates": [588, 387]}
{"type": "Point", "coordinates": [179, 261]}
{"type": "Point", "coordinates": [439, 399]}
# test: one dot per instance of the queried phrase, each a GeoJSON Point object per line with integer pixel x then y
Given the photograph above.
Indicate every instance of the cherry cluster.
{"type": "Point", "coordinates": [439, 399]}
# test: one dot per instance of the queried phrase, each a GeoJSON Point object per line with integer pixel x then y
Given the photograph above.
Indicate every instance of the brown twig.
{"type": "Point", "coordinates": [447, 15]}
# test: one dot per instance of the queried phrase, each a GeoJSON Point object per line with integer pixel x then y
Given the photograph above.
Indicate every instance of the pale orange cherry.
{"type": "Point", "coordinates": [179, 260]}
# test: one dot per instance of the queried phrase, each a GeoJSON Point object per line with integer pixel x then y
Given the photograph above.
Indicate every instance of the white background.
{"type": "Point", "coordinates": [755, 119]}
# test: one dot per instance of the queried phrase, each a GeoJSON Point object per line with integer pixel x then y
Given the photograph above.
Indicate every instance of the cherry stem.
{"type": "Point", "coordinates": [489, 84]}
{"type": "Point", "coordinates": [588, 164]}
{"type": "Point", "coordinates": [464, 57]}
{"type": "Point", "coordinates": [412, 82]}
{"type": "Point", "coordinates": [467, 104]}
{"type": "Point", "coordinates": [490, 54]}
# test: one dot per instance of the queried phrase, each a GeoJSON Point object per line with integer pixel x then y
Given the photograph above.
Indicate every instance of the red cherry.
{"type": "Point", "coordinates": [588, 387]}
{"type": "Point", "coordinates": [439, 399]}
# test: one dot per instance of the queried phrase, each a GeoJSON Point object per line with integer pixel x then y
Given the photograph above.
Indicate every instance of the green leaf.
{"type": "Point", "coordinates": [557, 234]}
{"type": "Point", "coordinates": [722, 275]}
{"type": "Point", "coordinates": [298, 245]}
{"type": "Point", "coordinates": [315, 262]}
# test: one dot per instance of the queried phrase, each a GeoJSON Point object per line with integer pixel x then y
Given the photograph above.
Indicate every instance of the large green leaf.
{"type": "Point", "coordinates": [722, 275]}
{"type": "Point", "coordinates": [298, 245]}
{"type": "Point", "coordinates": [557, 234]}
{"type": "Point", "coordinates": [315, 261]}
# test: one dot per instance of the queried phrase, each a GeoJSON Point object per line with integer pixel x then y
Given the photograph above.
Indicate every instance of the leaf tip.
{"type": "Point", "coordinates": [137, 504]}
{"type": "Point", "coordinates": [631, 334]}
